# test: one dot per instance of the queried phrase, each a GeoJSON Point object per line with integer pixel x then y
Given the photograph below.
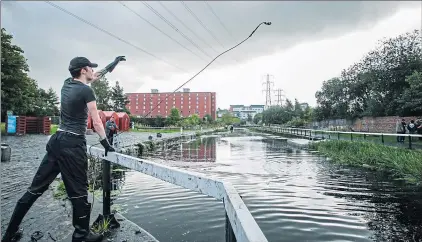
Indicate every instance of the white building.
{"type": "Point", "coordinates": [242, 111]}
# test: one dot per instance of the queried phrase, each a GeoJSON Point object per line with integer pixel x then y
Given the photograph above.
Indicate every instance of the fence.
{"type": "Point", "coordinates": [240, 225]}
{"type": "Point", "coordinates": [311, 133]}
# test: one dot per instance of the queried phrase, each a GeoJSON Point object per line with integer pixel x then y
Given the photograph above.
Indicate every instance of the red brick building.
{"type": "Point", "coordinates": [201, 103]}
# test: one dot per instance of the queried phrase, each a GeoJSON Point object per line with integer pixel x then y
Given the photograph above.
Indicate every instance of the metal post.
{"type": "Point", "coordinates": [364, 136]}
{"type": "Point", "coordinates": [229, 231]}
{"type": "Point", "coordinates": [382, 138]}
{"type": "Point", "coordinates": [106, 188]}
{"type": "Point", "coordinates": [338, 135]}
{"type": "Point", "coordinates": [351, 136]}
{"type": "Point", "coordinates": [410, 142]}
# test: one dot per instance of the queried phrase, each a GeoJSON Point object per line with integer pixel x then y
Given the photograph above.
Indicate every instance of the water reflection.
{"type": "Point", "coordinates": [199, 150]}
{"type": "Point", "coordinates": [290, 192]}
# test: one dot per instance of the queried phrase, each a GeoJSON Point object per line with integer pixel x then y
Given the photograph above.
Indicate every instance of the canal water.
{"type": "Point", "coordinates": [294, 195]}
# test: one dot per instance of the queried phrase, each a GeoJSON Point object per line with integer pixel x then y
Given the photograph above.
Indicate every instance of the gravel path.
{"type": "Point", "coordinates": [48, 215]}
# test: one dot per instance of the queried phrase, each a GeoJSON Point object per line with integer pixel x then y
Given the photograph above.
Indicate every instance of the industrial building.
{"type": "Point", "coordinates": [187, 102]}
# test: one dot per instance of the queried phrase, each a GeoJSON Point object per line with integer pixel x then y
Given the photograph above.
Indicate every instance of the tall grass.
{"type": "Point", "coordinates": [402, 163]}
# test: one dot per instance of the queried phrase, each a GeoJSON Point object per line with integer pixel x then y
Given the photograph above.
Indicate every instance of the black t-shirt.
{"type": "Point", "coordinates": [74, 111]}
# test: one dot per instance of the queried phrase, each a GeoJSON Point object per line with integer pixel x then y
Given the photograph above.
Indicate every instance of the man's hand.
{"type": "Point", "coordinates": [107, 146]}
{"type": "Point", "coordinates": [120, 58]}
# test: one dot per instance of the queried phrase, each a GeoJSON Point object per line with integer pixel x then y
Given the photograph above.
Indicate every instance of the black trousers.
{"type": "Point", "coordinates": [66, 154]}
{"type": "Point", "coordinates": [110, 136]}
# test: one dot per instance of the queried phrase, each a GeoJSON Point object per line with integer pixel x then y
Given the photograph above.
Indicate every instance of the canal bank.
{"type": "Point", "coordinates": [50, 216]}
{"type": "Point", "coordinates": [403, 163]}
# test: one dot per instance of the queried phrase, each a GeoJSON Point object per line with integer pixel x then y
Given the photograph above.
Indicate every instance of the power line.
{"type": "Point", "coordinates": [181, 22]}
{"type": "Point", "coordinates": [112, 35]}
{"type": "Point", "coordinates": [175, 28]}
{"type": "Point", "coordinates": [222, 24]}
{"type": "Point", "coordinates": [124, 5]}
{"type": "Point", "coordinates": [219, 20]}
{"type": "Point", "coordinates": [200, 22]}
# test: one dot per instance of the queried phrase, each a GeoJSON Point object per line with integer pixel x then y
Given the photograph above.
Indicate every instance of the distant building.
{"type": "Point", "coordinates": [188, 103]}
{"type": "Point", "coordinates": [304, 106]}
{"type": "Point", "coordinates": [242, 111]}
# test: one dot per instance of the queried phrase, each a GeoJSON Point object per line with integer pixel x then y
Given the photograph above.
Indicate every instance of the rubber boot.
{"type": "Point", "coordinates": [13, 233]}
{"type": "Point", "coordinates": [81, 216]}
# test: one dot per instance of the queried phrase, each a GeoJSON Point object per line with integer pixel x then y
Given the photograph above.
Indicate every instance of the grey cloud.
{"type": "Point", "coordinates": [50, 38]}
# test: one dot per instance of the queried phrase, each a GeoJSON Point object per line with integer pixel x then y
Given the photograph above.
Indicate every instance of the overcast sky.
{"type": "Point", "coordinates": [307, 43]}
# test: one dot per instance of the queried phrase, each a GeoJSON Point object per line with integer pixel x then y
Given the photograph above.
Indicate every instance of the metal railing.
{"type": "Point", "coordinates": [311, 133]}
{"type": "Point", "coordinates": [240, 225]}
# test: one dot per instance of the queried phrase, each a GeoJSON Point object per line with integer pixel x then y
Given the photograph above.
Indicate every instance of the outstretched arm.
{"type": "Point", "coordinates": [109, 68]}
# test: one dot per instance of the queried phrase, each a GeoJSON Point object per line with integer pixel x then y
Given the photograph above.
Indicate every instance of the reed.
{"type": "Point", "coordinates": [402, 163]}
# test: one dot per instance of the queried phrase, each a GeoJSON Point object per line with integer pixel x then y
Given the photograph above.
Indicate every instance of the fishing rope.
{"type": "Point", "coordinates": [190, 79]}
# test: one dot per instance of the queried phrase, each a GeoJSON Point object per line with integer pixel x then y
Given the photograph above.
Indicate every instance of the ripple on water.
{"type": "Point", "coordinates": [293, 195]}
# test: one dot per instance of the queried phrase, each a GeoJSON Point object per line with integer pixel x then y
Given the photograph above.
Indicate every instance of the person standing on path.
{"type": "Point", "coordinates": [67, 153]}
{"type": "Point", "coordinates": [111, 129]}
{"type": "Point", "coordinates": [400, 129]}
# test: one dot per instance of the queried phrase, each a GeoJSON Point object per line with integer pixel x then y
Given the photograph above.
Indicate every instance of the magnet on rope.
{"type": "Point", "coordinates": [37, 235]}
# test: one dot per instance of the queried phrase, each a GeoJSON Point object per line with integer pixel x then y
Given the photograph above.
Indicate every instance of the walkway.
{"type": "Point", "coordinates": [386, 139]}
{"type": "Point", "coordinates": [49, 215]}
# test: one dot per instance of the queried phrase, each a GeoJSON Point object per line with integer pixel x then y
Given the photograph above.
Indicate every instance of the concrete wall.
{"type": "Point", "coordinates": [365, 124]}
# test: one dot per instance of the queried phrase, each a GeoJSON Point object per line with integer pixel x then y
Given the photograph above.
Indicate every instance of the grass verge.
{"type": "Point", "coordinates": [402, 163]}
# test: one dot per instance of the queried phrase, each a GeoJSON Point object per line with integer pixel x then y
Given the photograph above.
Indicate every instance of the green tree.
{"type": "Point", "coordinates": [194, 119]}
{"type": "Point", "coordinates": [118, 98]}
{"type": "Point", "coordinates": [298, 111]}
{"type": "Point", "coordinates": [257, 118]}
{"type": "Point", "coordinates": [228, 119]}
{"type": "Point", "coordinates": [159, 121]}
{"type": "Point", "coordinates": [208, 118]}
{"type": "Point", "coordinates": [102, 92]}
{"type": "Point", "coordinates": [174, 117]}
{"type": "Point", "coordinates": [376, 85]}
{"type": "Point", "coordinates": [18, 91]}
{"type": "Point", "coordinates": [411, 99]}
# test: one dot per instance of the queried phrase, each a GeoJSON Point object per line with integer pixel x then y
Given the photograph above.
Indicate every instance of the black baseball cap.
{"type": "Point", "coordinates": [80, 62]}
